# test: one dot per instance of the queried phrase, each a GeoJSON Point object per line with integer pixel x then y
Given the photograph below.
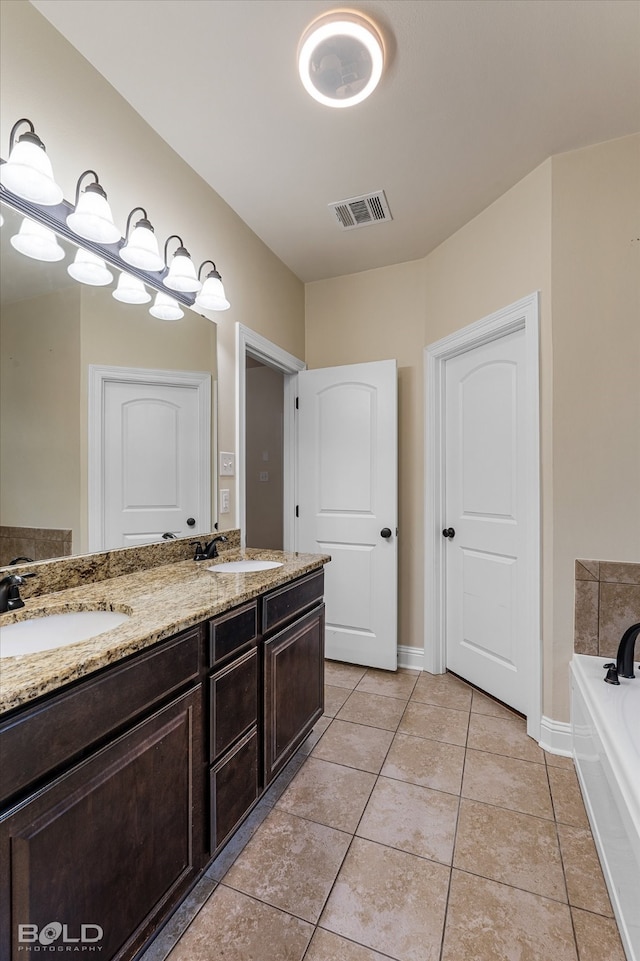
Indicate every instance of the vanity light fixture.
{"type": "Point", "coordinates": [131, 290]}
{"type": "Point", "coordinates": [182, 273]}
{"type": "Point", "coordinates": [88, 268]}
{"type": "Point", "coordinates": [212, 296]}
{"type": "Point", "coordinates": [166, 308]}
{"type": "Point", "coordinates": [340, 58]}
{"type": "Point", "coordinates": [141, 248]}
{"type": "Point", "coordinates": [92, 218]}
{"type": "Point", "coordinates": [36, 241]}
{"type": "Point", "coordinates": [28, 171]}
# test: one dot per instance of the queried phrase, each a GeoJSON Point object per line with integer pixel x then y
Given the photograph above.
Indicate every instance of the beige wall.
{"type": "Point", "coordinates": [566, 230]}
{"type": "Point", "coordinates": [86, 124]}
{"type": "Point", "coordinates": [40, 403]}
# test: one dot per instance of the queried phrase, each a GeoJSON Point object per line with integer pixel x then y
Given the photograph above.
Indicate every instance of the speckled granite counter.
{"type": "Point", "coordinates": [160, 601]}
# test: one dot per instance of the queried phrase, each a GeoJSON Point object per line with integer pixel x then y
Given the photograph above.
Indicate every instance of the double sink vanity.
{"type": "Point", "coordinates": [130, 758]}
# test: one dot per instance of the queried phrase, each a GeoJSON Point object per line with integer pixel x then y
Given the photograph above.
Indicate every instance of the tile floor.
{"type": "Point", "coordinates": [418, 822]}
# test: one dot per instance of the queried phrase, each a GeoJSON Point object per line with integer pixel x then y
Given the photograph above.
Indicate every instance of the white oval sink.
{"type": "Point", "coordinates": [244, 567]}
{"type": "Point", "coordinates": [56, 630]}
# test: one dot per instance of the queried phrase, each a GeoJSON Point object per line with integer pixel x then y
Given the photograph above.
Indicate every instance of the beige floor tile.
{"type": "Point", "coordinates": [327, 946]}
{"type": "Point", "coordinates": [445, 690]}
{"type": "Point", "coordinates": [328, 793]}
{"type": "Point", "coordinates": [437, 723]}
{"type": "Point", "coordinates": [238, 928]}
{"type": "Point", "coordinates": [501, 735]}
{"type": "Point", "coordinates": [388, 683]}
{"type": "Point", "coordinates": [372, 709]}
{"type": "Point", "coordinates": [411, 818]}
{"type": "Point", "coordinates": [433, 764]}
{"type": "Point", "coordinates": [567, 797]}
{"type": "Point", "coordinates": [343, 675]}
{"type": "Point", "coordinates": [291, 864]}
{"type": "Point", "coordinates": [597, 937]}
{"type": "Point", "coordinates": [355, 745]}
{"type": "Point", "coordinates": [507, 782]}
{"type": "Point", "coordinates": [334, 698]}
{"type": "Point", "coordinates": [585, 882]}
{"type": "Point", "coordinates": [483, 704]}
{"type": "Point", "coordinates": [390, 901]}
{"type": "Point", "coordinates": [319, 728]}
{"type": "Point", "coordinates": [179, 921]}
{"type": "Point", "coordinates": [487, 921]}
{"type": "Point", "coordinates": [510, 847]}
{"type": "Point", "coordinates": [557, 760]}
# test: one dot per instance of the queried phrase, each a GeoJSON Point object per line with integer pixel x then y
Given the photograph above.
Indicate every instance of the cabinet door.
{"type": "Point", "coordinates": [294, 688]}
{"type": "Point", "coordinates": [234, 788]}
{"type": "Point", "coordinates": [110, 846]}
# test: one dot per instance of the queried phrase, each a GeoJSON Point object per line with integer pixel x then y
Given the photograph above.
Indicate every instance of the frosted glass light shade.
{"type": "Point", "coordinates": [88, 268]}
{"type": "Point", "coordinates": [131, 290]}
{"type": "Point", "coordinates": [166, 308]}
{"type": "Point", "coordinates": [182, 274]}
{"type": "Point", "coordinates": [92, 218]}
{"type": "Point", "coordinates": [212, 297]}
{"type": "Point", "coordinates": [29, 174]}
{"type": "Point", "coordinates": [141, 250]}
{"type": "Point", "coordinates": [340, 59]}
{"type": "Point", "coordinates": [38, 242]}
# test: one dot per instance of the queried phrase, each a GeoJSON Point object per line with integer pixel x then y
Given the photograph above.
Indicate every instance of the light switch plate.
{"type": "Point", "coordinates": [227, 464]}
{"type": "Point", "coordinates": [264, 475]}
{"type": "Point", "coordinates": [224, 501]}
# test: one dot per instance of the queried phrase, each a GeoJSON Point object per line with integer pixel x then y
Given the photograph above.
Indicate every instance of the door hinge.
{"type": "Point", "coordinates": [297, 511]}
{"type": "Point", "coordinates": [297, 403]}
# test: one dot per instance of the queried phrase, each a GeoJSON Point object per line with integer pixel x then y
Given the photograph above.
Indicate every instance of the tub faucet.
{"type": "Point", "coordinates": [10, 585]}
{"type": "Point", "coordinates": [626, 651]}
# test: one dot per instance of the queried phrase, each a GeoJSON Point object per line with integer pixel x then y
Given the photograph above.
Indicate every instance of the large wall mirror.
{"type": "Point", "coordinates": [53, 332]}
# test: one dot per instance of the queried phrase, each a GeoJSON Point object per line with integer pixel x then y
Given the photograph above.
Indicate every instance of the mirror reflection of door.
{"type": "Point", "coordinates": [264, 455]}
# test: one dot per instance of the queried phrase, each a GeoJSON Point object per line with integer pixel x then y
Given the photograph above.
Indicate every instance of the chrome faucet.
{"type": "Point", "coordinates": [10, 585]}
{"type": "Point", "coordinates": [626, 654]}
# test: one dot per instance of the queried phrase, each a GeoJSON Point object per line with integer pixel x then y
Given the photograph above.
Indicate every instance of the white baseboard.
{"type": "Point", "coordinates": [411, 657]}
{"type": "Point", "coordinates": [555, 737]}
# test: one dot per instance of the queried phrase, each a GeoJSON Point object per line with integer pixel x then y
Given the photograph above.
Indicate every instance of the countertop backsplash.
{"type": "Point", "coordinates": [607, 602]}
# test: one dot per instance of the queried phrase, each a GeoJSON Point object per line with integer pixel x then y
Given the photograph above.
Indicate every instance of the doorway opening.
{"type": "Point", "coordinates": [264, 454]}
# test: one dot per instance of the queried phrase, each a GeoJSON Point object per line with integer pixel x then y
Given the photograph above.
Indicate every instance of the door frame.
{"type": "Point", "coordinates": [522, 315]}
{"type": "Point", "coordinates": [98, 377]}
{"type": "Point", "coordinates": [249, 343]}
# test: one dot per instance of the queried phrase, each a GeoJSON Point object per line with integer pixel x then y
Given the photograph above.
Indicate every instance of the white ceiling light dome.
{"type": "Point", "coordinates": [340, 58]}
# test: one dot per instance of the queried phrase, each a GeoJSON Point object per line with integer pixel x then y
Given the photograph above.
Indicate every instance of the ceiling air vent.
{"type": "Point", "coordinates": [362, 211]}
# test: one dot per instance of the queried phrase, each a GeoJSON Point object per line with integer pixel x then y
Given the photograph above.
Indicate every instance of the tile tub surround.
{"type": "Point", "coordinates": [421, 859]}
{"type": "Point", "coordinates": [36, 542]}
{"type": "Point", "coordinates": [61, 573]}
{"type": "Point", "coordinates": [607, 602]}
{"type": "Point", "coordinates": [160, 601]}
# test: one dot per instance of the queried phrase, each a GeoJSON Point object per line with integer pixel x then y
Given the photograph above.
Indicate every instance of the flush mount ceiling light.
{"type": "Point", "coordinates": [340, 58]}
{"type": "Point", "coordinates": [28, 172]}
{"type": "Point", "coordinates": [92, 218]}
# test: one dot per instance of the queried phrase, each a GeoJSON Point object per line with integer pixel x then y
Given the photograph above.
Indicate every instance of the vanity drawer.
{"type": "Point", "coordinates": [233, 700]}
{"type": "Point", "coordinates": [231, 632]}
{"type": "Point", "coordinates": [42, 738]}
{"type": "Point", "coordinates": [234, 788]}
{"type": "Point", "coordinates": [287, 602]}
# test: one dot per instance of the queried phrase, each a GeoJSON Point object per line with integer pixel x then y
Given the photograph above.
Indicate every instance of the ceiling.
{"type": "Point", "coordinates": [475, 94]}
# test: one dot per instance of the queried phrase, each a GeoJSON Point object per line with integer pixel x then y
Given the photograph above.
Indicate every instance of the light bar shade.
{"type": "Point", "coordinates": [182, 274]}
{"type": "Point", "coordinates": [38, 242]}
{"type": "Point", "coordinates": [92, 218]}
{"type": "Point", "coordinates": [166, 308]}
{"type": "Point", "coordinates": [141, 249]}
{"type": "Point", "coordinates": [131, 290]}
{"type": "Point", "coordinates": [212, 296]}
{"type": "Point", "coordinates": [88, 268]}
{"type": "Point", "coordinates": [28, 172]}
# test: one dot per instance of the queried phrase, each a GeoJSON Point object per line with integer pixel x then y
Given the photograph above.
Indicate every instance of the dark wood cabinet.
{"type": "Point", "coordinates": [112, 844]}
{"type": "Point", "coordinates": [293, 688]}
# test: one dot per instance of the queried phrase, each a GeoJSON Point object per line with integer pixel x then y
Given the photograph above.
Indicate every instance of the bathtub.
{"type": "Point", "coordinates": [605, 727]}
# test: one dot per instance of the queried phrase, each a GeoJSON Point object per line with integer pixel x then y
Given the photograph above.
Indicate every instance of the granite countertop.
{"type": "Point", "coordinates": [160, 601]}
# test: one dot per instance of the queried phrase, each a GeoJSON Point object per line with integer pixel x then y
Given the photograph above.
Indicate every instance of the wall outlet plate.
{"type": "Point", "coordinates": [227, 464]}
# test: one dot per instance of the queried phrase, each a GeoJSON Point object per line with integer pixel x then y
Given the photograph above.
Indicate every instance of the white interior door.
{"type": "Point", "coordinates": [485, 507]}
{"type": "Point", "coordinates": [347, 504]}
{"type": "Point", "coordinates": [153, 456]}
